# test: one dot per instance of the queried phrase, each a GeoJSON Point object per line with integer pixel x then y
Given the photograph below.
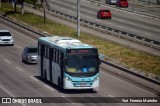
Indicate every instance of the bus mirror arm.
{"type": "Point", "coordinates": [65, 60]}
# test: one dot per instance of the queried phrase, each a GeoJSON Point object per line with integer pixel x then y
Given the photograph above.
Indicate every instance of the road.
{"type": "Point", "coordinates": [140, 6]}
{"type": "Point", "coordinates": [18, 79]}
{"type": "Point", "coordinates": [122, 20]}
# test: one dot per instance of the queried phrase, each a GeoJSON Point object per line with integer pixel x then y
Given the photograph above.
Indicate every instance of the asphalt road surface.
{"type": "Point", "coordinates": [18, 79]}
{"type": "Point", "coordinates": [122, 20]}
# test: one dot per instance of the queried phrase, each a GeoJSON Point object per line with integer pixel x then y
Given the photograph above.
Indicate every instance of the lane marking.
{"type": "Point", "coordinates": [128, 83]}
{"type": "Point", "coordinates": [121, 26]}
{"type": "Point", "coordinates": [19, 69]}
{"type": "Point", "coordinates": [7, 61]}
{"type": "Point", "coordinates": [68, 99]}
{"type": "Point", "coordinates": [18, 46]}
{"type": "Point", "coordinates": [4, 89]}
{"type": "Point", "coordinates": [34, 78]}
{"type": "Point", "coordinates": [110, 96]}
{"type": "Point", "coordinates": [148, 34]}
{"type": "Point", "coordinates": [134, 30]}
{"type": "Point", "coordinates": [48, 87]}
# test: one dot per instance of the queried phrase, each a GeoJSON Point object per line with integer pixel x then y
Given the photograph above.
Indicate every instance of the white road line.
{"type": "Point", "coordinates": [7, 61]}
{"type": "Point", "coordinates": [121, 26]}
{"type": "Point", "coordinates": [49, 87]}
{"type": "Point", "coordinates": [19, 69]}
{"type": "Point", "coordinates": [129, 83]}
{"type": "Point", "coordinates": [68, 99]}
{"type": "Point", "coordinates": [148, 34]}
{"type": "Point", "coordinates": [33, 78]}
{"type": "Point", "coordinates": [134, 30]}
{"type": "Point", "coordinates": [7, 91]}
{"type": "Point", "coordinates": [18, 46]}
{"type": "Point", "coordinates": [110, 96]}
{"type": "Point", "coordinates": [4, 89]}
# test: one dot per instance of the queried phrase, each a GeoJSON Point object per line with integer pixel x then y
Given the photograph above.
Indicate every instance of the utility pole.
{"type": "Point", "coordinates": [78, 18]}
{"type": "Point", "coordinates": [15, 6]}
{"type": "Point", "coordinates": [0, 3]}
{"type": "Point", "coordinates": [133, 5]}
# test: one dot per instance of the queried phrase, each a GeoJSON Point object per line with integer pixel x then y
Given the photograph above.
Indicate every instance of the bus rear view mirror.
{"type": "Point", "coordinates": [65, 60]}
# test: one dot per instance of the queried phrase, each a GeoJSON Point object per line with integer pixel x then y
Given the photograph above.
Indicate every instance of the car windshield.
{"type": "Point", "coordinates": [81, 63]}
{"type": "Point", "coordinates": [5, 34]}
{"type": "Point", "coordinates": [105, 11]}
{"type": "Point", "coordinates": [123, 0]}
{"type": "Point", "coordinates": [32, 50]}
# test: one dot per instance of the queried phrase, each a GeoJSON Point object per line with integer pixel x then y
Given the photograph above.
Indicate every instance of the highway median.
{"type": "Point", "coordinates": [131, 58]}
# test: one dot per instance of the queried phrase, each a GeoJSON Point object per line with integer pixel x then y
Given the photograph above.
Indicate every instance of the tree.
{"type": "Point", "coordinates": [45, 5]}
{"type": "Point", "coordinates": [21, 2]}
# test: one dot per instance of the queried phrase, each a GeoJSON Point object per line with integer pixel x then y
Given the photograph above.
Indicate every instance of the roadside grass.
{"type": "Point", "coordinates": [131, 58]}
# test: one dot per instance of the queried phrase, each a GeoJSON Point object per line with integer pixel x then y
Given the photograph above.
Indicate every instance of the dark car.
{"type": "Point", "coordinates": [111, 2]}
{"type": "Point", "coordinates": [105, 14]}
{"type": "Point", "coordinates": [122, 3]}
{"type": "Point", "coordinates": [29, 54]}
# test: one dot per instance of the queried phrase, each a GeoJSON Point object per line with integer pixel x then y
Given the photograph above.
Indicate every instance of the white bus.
{"type": "Point", "coordinates": [68, 63]}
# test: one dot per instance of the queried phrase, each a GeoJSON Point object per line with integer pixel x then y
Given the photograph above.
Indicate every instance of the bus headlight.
{"type": "Point", "coordinates": [68, 79]}
{"type": "Point", "coordinates": [96, 78]}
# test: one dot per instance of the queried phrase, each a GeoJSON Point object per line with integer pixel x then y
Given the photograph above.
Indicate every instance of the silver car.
{"type": "Point", "coordinates": [29, 54]}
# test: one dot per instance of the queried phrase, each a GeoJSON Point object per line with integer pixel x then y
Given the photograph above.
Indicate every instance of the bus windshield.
{"type": "Point", "coordinates": [81, 63]}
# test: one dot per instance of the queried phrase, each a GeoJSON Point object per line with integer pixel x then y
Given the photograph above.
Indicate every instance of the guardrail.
{"type": "Point", "coordinates": [22, 27]}
{"type": "Point", "coordinates": [132, 75]}
{"type": "Point", "coordinates": [105, 29]}
{"type": "Point", "coordinates": [96, 2]}
{"type": "Point", "coordinates": [142, 79]}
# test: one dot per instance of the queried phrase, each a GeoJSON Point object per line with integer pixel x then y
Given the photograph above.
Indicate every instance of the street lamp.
{"type": "Point", "coordinates": [78, 18]}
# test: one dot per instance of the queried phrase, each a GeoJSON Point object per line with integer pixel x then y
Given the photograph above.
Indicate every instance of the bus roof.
{"type": "Point", "coordinates": [64, 42]}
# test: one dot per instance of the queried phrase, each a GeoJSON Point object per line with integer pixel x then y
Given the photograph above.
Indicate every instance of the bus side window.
{"type": "Point", "coordinates": [48, 49]}
{"type": "Point", "coordinates": [59, 57]}
{"type": "Point", "coordinates": [39, 48]}
{"type": "Point", "coordinates": [54, 55]}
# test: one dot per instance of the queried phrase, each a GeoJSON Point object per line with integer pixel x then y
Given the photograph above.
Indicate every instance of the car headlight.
{"type": "Point", "coordinates": [29, 56]}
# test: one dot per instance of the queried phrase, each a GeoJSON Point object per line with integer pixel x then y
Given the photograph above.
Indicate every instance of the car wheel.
{"type": "Point", "coordinates": [99, 17]}
{"type": "Point", "coordinates": [22, 58]}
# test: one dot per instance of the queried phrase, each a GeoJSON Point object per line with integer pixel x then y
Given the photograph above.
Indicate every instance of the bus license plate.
{"type": "Point", "coordinates": [82, 84]}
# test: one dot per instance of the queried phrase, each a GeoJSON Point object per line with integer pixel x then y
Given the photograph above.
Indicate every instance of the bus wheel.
{"type": "Point", "coordinates": [45, 75]}
{"type": "Point", "coordinates": [59, 84]}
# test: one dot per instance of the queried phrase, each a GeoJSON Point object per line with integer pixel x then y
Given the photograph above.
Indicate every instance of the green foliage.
{"type": "Point", "coordinates": [132, 58]}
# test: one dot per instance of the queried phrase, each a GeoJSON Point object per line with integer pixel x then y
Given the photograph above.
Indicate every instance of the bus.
{"type": "Point", "coordinates": [68, 63]}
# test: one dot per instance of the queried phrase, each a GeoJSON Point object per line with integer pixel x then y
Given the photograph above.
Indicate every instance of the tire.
{"type": "Point", "coordinates": [97, 16]}
{"type": "Point", "coordinates": [59, 84]}
{"type": "Point", "coordinates": [22, 59]}
{"type": "Point", "coordinates": [45, 74]}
